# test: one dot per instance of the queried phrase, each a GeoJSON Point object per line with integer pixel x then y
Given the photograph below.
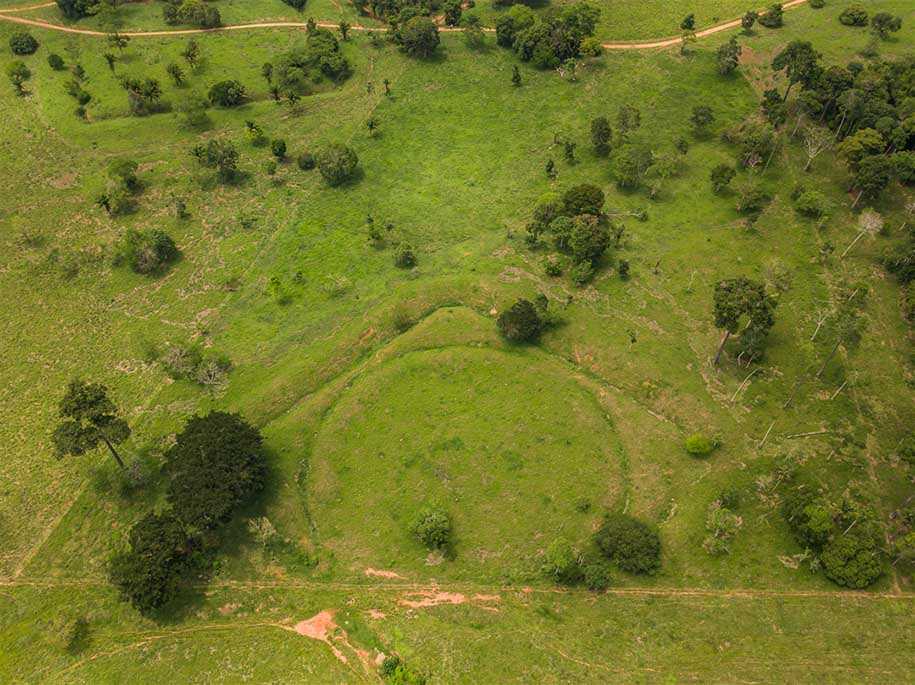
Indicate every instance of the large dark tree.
{"type": "Point", "coordinates": [148, 573]}
{"type": "Point", "coordinates": [632, 545]}
{"type": "Point", "coordinates": [337, 164]}
{"type": "Point", "coordinates": [419, 37]}
{"type": "Point", "coordinates": [216, 464]}
{"type": "Point", "coordinates": [739, 299]}
{"type": "Point", "coordinates": [89, 418]}
{"type": "Point", "coordinates": [521, 322]}
{"type": "Point", "coordinates": [75, 9]}
{"type": "Point", "coordinates": [800, 62]}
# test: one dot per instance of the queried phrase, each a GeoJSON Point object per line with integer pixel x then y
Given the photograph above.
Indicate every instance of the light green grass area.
{"type": "Point", "coordinates": [380, 390]}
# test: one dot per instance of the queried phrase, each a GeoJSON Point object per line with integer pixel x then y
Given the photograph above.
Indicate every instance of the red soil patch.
{"type": "Point", "coordinates": [431, 598]}
{"type": "Point", "coordinates": [374, 613]}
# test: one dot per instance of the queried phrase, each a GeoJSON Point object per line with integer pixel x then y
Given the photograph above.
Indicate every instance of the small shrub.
{"type": "Point", "coordinates": [278, 148]}
{"type": "Point", "coordinates": [552, 265]}
{"type": "Point", "coordinates": [229, 93]}
{"type": "Point", "coordinates": [632, 545]}
{"type": "Point", "coordinates": [730, 497]}
{"type": "Point", "coordinates": [811, 203]}
{"type": "Point", "coordinates": [698, 445]}
{"type": "Point", "coordinates": [432, 527]}
{"type": "Point", "coordinates": [521, 322]}
{"type": "Point", "coordinates": [395, 672]}
{"type": "Point", "coordinates": [23, 43]}
{"type": "Point", "coordinates": [623, 269]}
{"type": "Point", "coordinates": [306, 161]}
{"type": "Point", "coordinates": [337, 164]}
{"type": "Point", "coordinates": [562, 563]}
{"type": "Point", "coordinates": [582, 273]}
{"type": "Point", "coordinates": [854, 15]}
{"type": "Point", "coordinates": [772, 18]}
{"type": "Point", "coordinates": [56, 62]}
{"type": "Point", "coordinates": [818, 4]}
{"type": "Point", "coordinates": [597, 574]}
{"type": "Point", "coordinates": [404, 257]}
{"type": "Point", "coordinates": [70, 633]}
{"type": "Point", "coordinates": [722, 525]}
{"type": "Point", "coordinates": [147, 252]}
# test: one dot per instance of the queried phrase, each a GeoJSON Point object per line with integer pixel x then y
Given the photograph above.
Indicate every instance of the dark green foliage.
{"type": "Point", "coordinates": [394, 671]}
{"type": "Point", "coordinates": [601, 135]}
{"type": "Point", "coordinates": [56, 62]}
{"type": "Point", "coordinates": [588, 239]}
{"type": "Point", "coordinates": [432, 527]}
{"type": "Point", "coordinates": [852, 560]}
{"type": "Point", "coordinates": [854, 15]}
{"type": "Point", "coordinates": [873, 176]}
{"type": "Point", "coordinates": [688, 23]}
{"type": "Point", "coordinates": [296, 4]}
{"type": "Point", "coordinates": [629, 543]}
{"type": "Point", "coordinates": [721, 177]}
{"type": "Point", "coordinates": [75, 9]}
{"type": "Point", "coordinates": [550, 39]}
{"type": "Point", "coordinates": [748, 20]}
{"type": "Point", "coordinates": [142, 95]}
{"type": "Point", "coordinates": [147, 252]}
{"type": "Point", "coordinates": [194, 12]}
{"type": "Point", "coordinates": [320, 58]}
{"type": "Point", "coordinates": [88, 418]}
{"type": "Point", "coordinates": [337, 164]}
{"type": "Point", "coordinates": [219, 155]}
{"type": "Point", "coordinates": [809, 515]}
{"type": "Point", "coordinates": [23, 43]}
{"type": "Point", "coordinates": [800, 62]}
{"type": "Point", "coordinates": [899, 260]}
{"type": "Point", "coordinates": [278, 148]}
{"type": "Point", "coordinates": [306, 161]}
{"type": "Point", "coordinates": [739, 298]}
{"type": "Point", "coordinates": [702, 117]}
{"type": "Point", "coordinates": [194, 364]}
{"type": "Point", "coordinates": [597, 575]}
{"type": "Point", "coordinates": [521, 323]}
{"type": "Point", "coordinates": [772, 18]}
{"type": "Point", "coordinates": [452, 11]}
{"type": "Point", "coordinates": [755, 139]}
{"type": "Point", "coordinates": [585, 198]}
{"type": "Point", "coordinates": [216, 464]}
{"type": "Point", "coordinates": [404, 257]}
{"type": "Point", "coordinates": [229, 93]}
{"type": "Point", "coordinates": [811, 203]}
{"type": "Point", "coordinates": [884, 23]}
{"type": "Point", "coordinates": [18, 73]}
{"type": "Point", "coordinates": [149, 572]}
{"type": "Point", "coordinates": [728, 57]}
{"type": "Point", "coordinates": [418, 37]}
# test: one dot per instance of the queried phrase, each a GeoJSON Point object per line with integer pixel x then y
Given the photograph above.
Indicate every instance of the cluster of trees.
{"type": "Point", "coordinates": [844, 535]}
{"type": "Point", "coordinates": [220, 155]}
{"type": "Point", "coordinates": [548, 39]}
{"type": "Point", "coordinates": [621, 540]}
{"type": "Point", "coordinates": [194, 12]}
{"type": "Point", "coordinates": [870, 110]}
{"type": "Point", "coordinates": [216, 465]}
{"type": "Point", "coordinates": [148, 251]}
{"type": "Point", "coordinates": [295, 71]}
{"type": "Point", "coordinates": [743, 305]}
{"type": "Point", "coordinates": [577, 225]}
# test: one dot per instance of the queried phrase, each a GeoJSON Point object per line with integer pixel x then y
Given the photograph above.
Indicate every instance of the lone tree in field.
{"type": "Point", "coordinates": [521, 323]}
{"type": "Point", "coordinates": [736, 298]}
{"type": "Point", "coordinates": [216, 464]}
{"type": "Point", "coordinates": [89, 418]}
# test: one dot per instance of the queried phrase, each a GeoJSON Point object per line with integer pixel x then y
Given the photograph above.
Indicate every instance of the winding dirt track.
{"type": "Point", "coordinates": [10, 16]}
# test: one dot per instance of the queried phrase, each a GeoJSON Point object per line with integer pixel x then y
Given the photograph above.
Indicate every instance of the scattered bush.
{"type": "Point", "coordinates": [196, 365]}
{"type": "Point", "coordinates": [23, 43]}
{"type": "Point", "coordinates": [220, 155]}
{"type": "Point", "coordinates": [337, 164]}
{"type": "Point", "coordinates": [193, 12]}
{"type": "Point", "coordinates": [229, 93]}
{"type": "Point", "coordinates": [562, 564]}
{"type": "Point", "coordinates": [854, 15]}
{"type": "Point", "coordinates": [811, 203]}
{"type": "Point", "coordinates": [773, 18]}
{"type": "Point", "coordinates": [521, 323]}
{"type": "Point", "coordinates": [321, 58]}
{"type": "Point", "coordinates": [596, 574]}
{"type": "Point", "coordinates": [56, 62]}
{"type": "Point", "coordinates": [404, 257]}
{"type": "Point", "coordinates": [722, 525]}
{"type": "Point", "coordinates": [418, 37]}
{"type": "Point", "coordinates": [147, 252]}
{"type": "Point", "coordinates": [721, 177]}
{"type": "Point", "coordinates": [629, 543]}
{"type": "Point", "coordinates": [698, 445]}
{"type": "Point", "coordinates": [70, 633]}
{"type": "Point", "coordinates": [306, 161]}
{"type": "Point", "coordinates": [395, 672]}
{"type": "Point", "coordinates": [432, 527]}
{"type": "Point", "coordinates": [278, 148]}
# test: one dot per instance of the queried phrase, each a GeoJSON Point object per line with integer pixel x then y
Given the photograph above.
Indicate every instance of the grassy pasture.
{"type": "Point", "coordinates": [456, 167]}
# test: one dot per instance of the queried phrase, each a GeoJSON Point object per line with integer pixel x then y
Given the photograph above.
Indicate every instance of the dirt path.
{"type": "Point", "coordinates": [486, 591]}
{"type": "Point", "coordinates": [9, 15]}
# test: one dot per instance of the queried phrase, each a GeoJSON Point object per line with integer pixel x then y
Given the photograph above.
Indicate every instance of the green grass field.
{"type": "Point", "coordinates": [381, 390]}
